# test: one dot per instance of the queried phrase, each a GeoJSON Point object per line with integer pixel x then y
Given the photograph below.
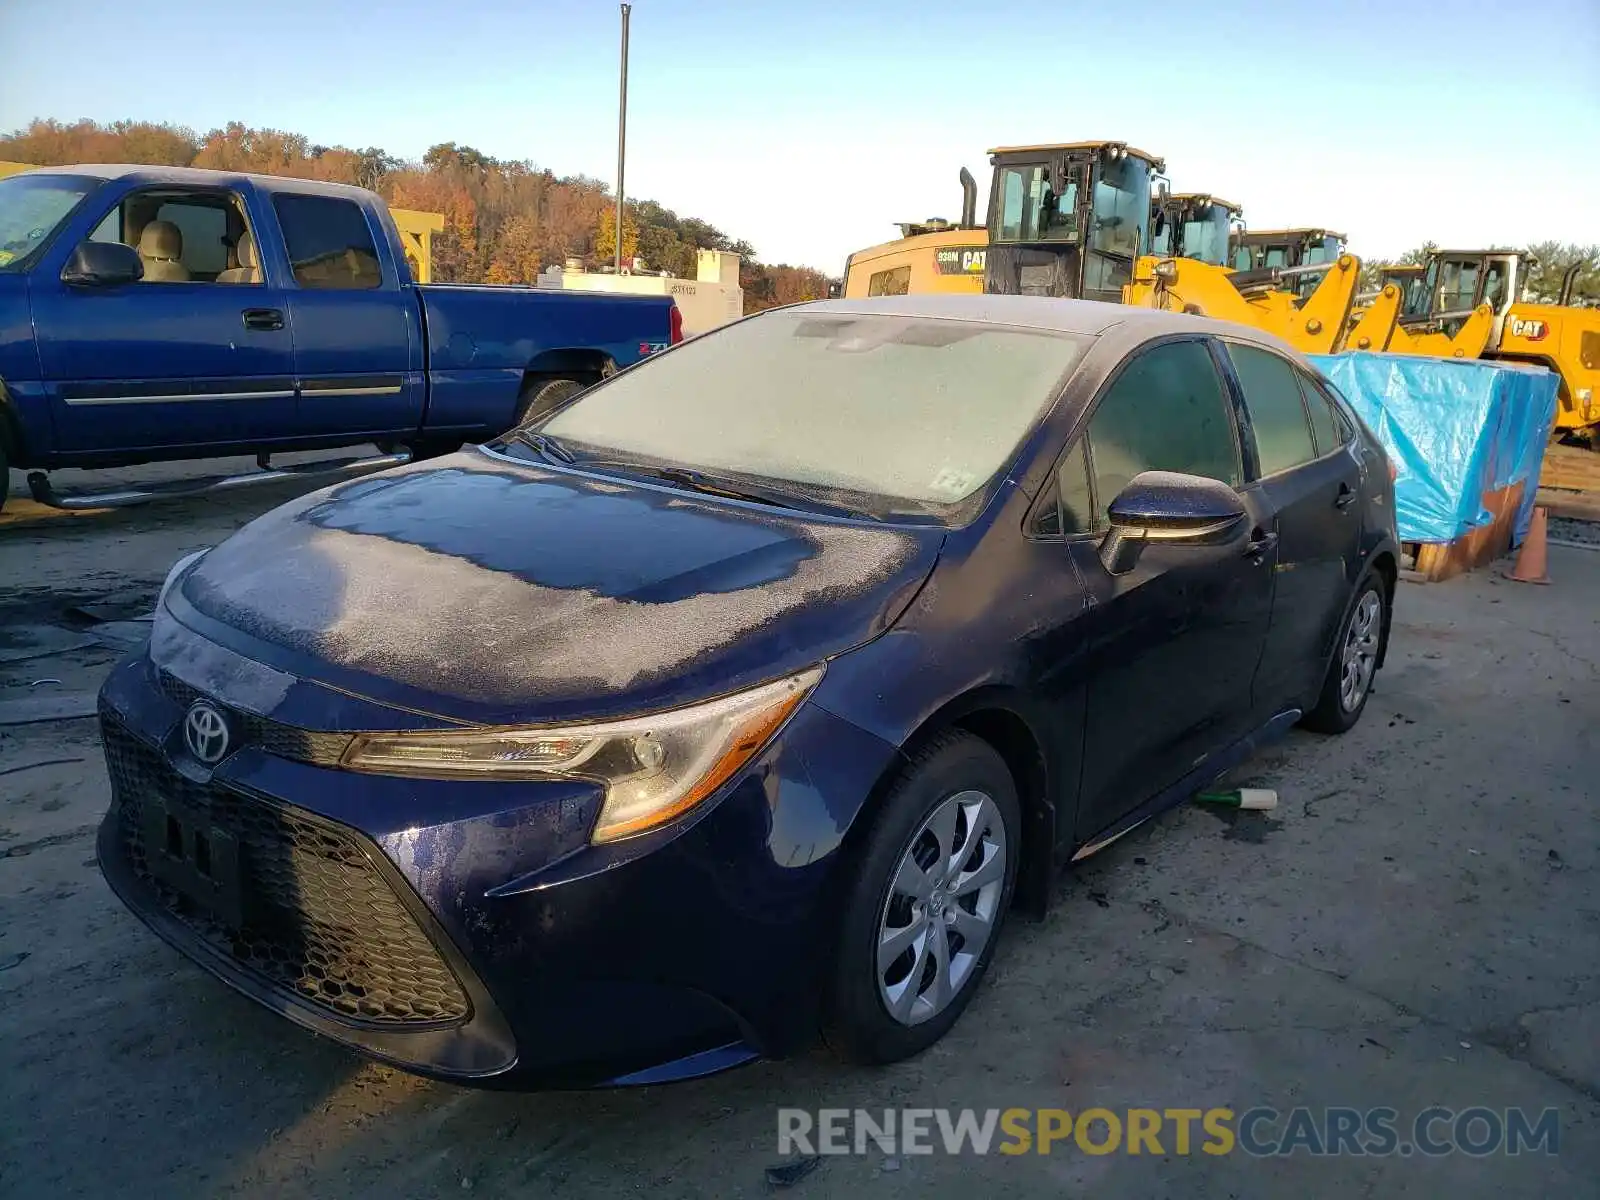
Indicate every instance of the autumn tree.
{"type": "Point", "coordinates": [605, 238]}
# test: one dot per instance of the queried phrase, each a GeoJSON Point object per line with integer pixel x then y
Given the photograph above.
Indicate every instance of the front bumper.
{"type": "Point", "coordinates": [469, 931]}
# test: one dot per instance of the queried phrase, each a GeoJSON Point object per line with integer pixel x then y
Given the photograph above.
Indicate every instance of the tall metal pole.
{"type": "Point", "coordinates": [622, 130]}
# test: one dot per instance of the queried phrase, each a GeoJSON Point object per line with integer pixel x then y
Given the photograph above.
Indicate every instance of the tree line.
{"type": "Point", "coordinates": [505, 220]}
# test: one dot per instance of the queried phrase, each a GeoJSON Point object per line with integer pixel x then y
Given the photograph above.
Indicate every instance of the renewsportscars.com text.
{"type": "Point", "coordinates": [1261, 1132]}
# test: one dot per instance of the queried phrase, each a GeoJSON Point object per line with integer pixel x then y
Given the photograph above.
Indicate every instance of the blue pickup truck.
{"type": "Point", "coordinates": [157, 313]}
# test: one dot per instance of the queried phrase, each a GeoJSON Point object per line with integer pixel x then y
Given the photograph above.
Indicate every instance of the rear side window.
{"type": "Point", "coordinates": [896, 282]}
{"type": "Point", "coordinates": [1165, 412]}
{"type": "Point", "coordinates": [330, 245]}
{"type": "Point", "coordinates": [1326, 425]}
{"type": "Point", "coordinates": [1277, 413]}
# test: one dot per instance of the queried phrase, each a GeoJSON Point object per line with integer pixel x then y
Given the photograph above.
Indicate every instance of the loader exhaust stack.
{"type": "Point", "coordinates": [969, 200]}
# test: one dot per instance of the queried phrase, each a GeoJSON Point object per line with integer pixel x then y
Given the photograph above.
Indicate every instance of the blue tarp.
{"type": "Point", "coordinates": [1454, 430]}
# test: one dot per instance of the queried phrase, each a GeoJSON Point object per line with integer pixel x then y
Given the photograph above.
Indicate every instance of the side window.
{"type": "Point", "coordinates": [330, 245]}
{"type": "Point", "coordinates": [1325, 424]}
{"type": "Point", "coordinates": [1277, 413]}
{"type": "Point", "coordinates": [890, 283]}
{"type": "Point", "coordinates": [182, 237]}
{"type": "Point", "coordinates": [1077, 496]}
{"type": "Point", "coordinates": [1165, 412]}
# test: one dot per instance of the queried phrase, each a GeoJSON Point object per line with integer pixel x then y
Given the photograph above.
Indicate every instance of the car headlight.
{"type": "Point", "coordinates": [652, 768]}
{"type": "Point", "coordinates": [178, 568]}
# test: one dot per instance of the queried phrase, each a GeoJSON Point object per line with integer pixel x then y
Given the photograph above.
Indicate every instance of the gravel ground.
{"type": "Point", "coordinates": [1416, 923]}
{"type": "Point", "coordinates": [1569, 529]}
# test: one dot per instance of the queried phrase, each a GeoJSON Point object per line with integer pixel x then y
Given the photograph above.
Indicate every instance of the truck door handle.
{"type": "Point", "coordinates": [1260, 545]}
{"type": "Point", "coordinates": [263, 318]}
{"type": "Point", "coordinates": [1346, 496]}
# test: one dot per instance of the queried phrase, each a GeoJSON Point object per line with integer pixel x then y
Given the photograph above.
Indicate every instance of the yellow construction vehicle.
{"type": "Point", "coordinates": [1268, 299]}
{"type": "Point", "coordinates": [1194, 225]}
{"type": "Point", "coordinates": [1259, 249]}
{"type": "Point", "coordinates": [929, 256]}
{"type": "Point", "coordinates": [1073, 219]}
{"type": "Point", "coordinates": [1471, 304]}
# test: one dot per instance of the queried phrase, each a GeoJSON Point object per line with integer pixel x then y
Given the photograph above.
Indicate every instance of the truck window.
{"type": "Point", "coordinates": [183, 237]}
{"type": "Point", "coordinates": [330, 244]}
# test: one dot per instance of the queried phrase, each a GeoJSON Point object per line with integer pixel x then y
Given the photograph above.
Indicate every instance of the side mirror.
{"type": "Point", "coordinates": [102, 264]}
{"type": "Point", "coordinates": [1164, 506]}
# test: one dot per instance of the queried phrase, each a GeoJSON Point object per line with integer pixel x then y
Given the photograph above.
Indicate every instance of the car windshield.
{"type": "Point", "coordinates": [898, 408]}
{"type": "Point", "coordinates": [31, 208]}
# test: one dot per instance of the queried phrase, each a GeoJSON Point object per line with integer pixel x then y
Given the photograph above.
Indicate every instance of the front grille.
{"type": "Point", "coordinates": [301, 745]}
{"type": "Point", "coordinates": [316, 918]}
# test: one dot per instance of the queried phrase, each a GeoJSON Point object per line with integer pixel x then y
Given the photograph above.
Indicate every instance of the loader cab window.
{"type": "Point", "coordinates": [1276, 256]}
{"type": "Point", "coordinates": [1458, 285]}
{"type": "Point", "coordinates": [1161, 229]}
{"type": "Point", "coordinates": [1120, 215]}
{"type": "Point", "coordinates": [1326, 250]}
{"type": "Point", "coordinates": [1420, 300]}
{"type": "Point", "coordinates": [1033, 210]}
{"type": "Point", "coordinates": [1205, 235]}
{"type": "Point", "coordinates": [1496, 280]}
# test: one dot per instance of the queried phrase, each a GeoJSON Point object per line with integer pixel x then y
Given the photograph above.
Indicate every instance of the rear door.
{"type": "Point", "coordinates": [1312, 481]}
{"type": "Point", "coordinates": [179, 359]}
{"type": "Point", "coordinates": [357, 335]}
{"type": "Point", "coordinates": [1171, 645]}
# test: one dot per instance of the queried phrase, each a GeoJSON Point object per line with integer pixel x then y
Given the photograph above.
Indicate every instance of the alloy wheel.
{"type": "Point", "coordinates": [1359, 657]}
{"type": "Point", "coordinates": [942, 907]}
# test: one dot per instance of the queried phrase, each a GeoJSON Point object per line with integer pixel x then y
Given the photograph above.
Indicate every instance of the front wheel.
{"type": "Point", "coordinates": [1355, 662]}
{"type": "Point", "coordinates": [925, 905]}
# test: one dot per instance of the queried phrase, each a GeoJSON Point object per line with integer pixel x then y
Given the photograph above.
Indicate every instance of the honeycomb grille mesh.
{"type": "Point", "coordinates": [319, 920]}
{"type": "Point", "coordinates": [301, 745]}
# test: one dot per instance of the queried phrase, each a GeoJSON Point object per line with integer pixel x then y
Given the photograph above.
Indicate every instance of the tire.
{"type": "Point", "coordinates": [543, 397]}
{"type": "Point", "coordinates": [1339, 707]}
{"type": "Point", "coordinates": [875, 1015]}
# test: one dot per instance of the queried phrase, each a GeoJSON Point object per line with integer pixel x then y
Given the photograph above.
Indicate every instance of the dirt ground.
{"type": "Point", "coordinates": [1416, 924]}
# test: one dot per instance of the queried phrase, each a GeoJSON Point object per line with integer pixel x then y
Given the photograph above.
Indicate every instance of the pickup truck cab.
{"type": "Point", "coordinates": [160, 313]}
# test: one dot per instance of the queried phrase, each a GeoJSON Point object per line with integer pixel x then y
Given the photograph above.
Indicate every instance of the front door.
{"type": "Point", "coordinates": [1311, 478]}
{"type": "Point", "coordinates": [1172, 645]}
{"type": "Point", "coordinates": [199, 353]}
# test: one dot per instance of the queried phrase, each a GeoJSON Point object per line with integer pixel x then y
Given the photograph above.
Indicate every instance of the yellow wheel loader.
{"type": "Point", "coordinates": [1268, 299]}
{"type": "Point", "coordinates": [929, 256]}
{"type": "Point", "coordinates": [1469, 304]}
{"type": "Point", "coordinates": [1194, 225]}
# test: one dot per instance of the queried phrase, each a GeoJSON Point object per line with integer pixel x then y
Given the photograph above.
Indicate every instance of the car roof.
{"type": "Point", "coordinates": [1088, 318]}
{"type": "Point", "coordinates": [145, 173]}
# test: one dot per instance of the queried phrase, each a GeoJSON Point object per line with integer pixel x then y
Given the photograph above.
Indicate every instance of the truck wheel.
{"type": "Point", "coordinates": [544, 396]}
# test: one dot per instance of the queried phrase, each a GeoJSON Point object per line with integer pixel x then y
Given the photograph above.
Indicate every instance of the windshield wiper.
{"type": "Point", "coordinates": [546, 445]}
{"type": "Point", "coordinates": [757, 493]}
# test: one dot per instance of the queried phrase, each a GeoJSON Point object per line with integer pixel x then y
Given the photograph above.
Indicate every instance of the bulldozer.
{"type": "Point", "coordinates": [1471, 304]}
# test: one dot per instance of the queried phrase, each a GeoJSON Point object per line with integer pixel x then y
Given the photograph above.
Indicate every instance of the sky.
{"type": "Point", "coordinates": [810, 129]}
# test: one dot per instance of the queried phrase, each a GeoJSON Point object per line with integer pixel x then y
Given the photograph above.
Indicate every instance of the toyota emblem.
{"type": "Point", "coordinates": [205, 732]}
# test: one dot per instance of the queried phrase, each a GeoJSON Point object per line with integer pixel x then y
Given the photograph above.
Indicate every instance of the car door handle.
{"type": "Point", "coordinates": [1346, 496]}
{"type": "Point", "coordinates": [263, 318]}
{"type": "Point", "coordinates": [1260, 545]}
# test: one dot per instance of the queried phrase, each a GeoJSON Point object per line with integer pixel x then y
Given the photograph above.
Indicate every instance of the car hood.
{"type": "Point", "coordinates": [481, 589]}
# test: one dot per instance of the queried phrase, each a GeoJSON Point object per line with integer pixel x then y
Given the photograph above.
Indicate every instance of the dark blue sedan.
{"type": "Point", "coordinates": [747, 693]}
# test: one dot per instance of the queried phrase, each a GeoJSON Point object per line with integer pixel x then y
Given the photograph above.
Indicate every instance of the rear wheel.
{"type": "Point", "coordinates": [1355, 662]}
{"type": "Point", "coordinates": [926, 902]}
{"type": "Point", "coordinates": [542, 397]}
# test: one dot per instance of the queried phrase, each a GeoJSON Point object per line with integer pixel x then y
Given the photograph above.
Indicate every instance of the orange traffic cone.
{"type": "Point", "coordinates": [1530, 566]}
